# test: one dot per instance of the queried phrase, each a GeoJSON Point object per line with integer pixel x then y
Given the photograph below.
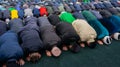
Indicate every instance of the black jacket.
{"type": "Point", "coordinates": [54, 19]}
{"type": "Point", "coordinates": [67, 33]}
{"type": "Point", "coordinates": [3, 27]}
{"type": "Point", "coordinates": [15, 25]}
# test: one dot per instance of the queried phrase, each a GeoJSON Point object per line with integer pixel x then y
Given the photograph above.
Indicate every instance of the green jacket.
{"type": "Point", "coordinates": [86, 1]}
{"type": "Point", "coordinates": [66, 17]}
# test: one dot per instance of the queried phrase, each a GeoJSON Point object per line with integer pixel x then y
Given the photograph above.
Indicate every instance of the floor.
{"type": "Point", "coordinates": [101, 56]}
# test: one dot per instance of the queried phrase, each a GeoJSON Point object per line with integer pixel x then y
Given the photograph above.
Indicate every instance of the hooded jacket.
{"type": "Point", "coordinates": [67, 33]}
{"type": "Point", "coordinates": [48, 34]}
{"type": "Point", "coordinates": [36, 12]}
{"type": "Point", "coordinates": [99, 28]}
{"type": "Point", "coordinates": [54, 19]}
{"type": "Point", "coordinates": [10, 49]}
{"type": "Point", "coordinates": [6, 14]}
{"type": "Point", "coordinates": [3, 27]}
{"type": "Point", "coordinates": [84, 30]}
{"type": "Point", "coordinates": [66, 17]}
{"type": "Point", "coordinates": [14, 14]}
{"type": "Point", "coordinates": [29, 34]}
{"type": "Point", "coordinates": [28, 12]}
{"type": "Point", "coordinates": [78, 15]}
{"type": "Point", "coordinates": [43, 11]}
{"type": "Point", "coordinates": [111, 22]}
{"type": "Point", "coordinates": [65, 30]}
{"type": "Point", "coordinates": [16, 25]}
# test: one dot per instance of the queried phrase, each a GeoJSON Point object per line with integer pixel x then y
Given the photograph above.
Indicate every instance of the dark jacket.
{"type": "Point", "coordinates": [1, 15]}
{"type": "Point", "coordinates": [67, 33]}
{"type": "Point", "coordinates": [15, 25]}
{"type": "Point", "coordinates": [97, 6]}
{"type": "Point", "coordinates": [108, 5]}
{"type": "Point", "coordinates": [111, 22]}
{"type": "Point", "coordinates": [48, 34]}
{"type": "Point", "coordinates": [72, 7]}
{"type": "Point", "coordinates": [54, 19]}
{"type": "Point", "coordinates": [31, 41]}
{"type": "Point", "coordinates": [43, 21]}
{"type": "Point", "coordinates": [115, 4]}
{"type": "Point", "coordinates": [21, 13]}
{"type": "Point", "coordinates": [105, 13]}
{"type": "Point", "coordinates": [101, 5]}
{"type": "Point", "coordinates": [83, 7]}
{"type": "Point", "coordinates": [3, 27]}
{"type": "Point", "coordinates": [78, 15]}
{"type": "Point", "coordinates": [55, 9]}
{"type": "Point", "coordinates": [10, 49]}
{"type": "Point", "coordinates": [6, 14]}
{"type": "Point", "coordinates": [77, 7]}
{"type": "Point", "coordinates": [36, 12]}
{"type": "Point", "coordinates": [67, 8]}
{"type": "Point", "coordinates": [113, 11]}
{"type": "Point", "coordinates": [96, 14]}
{"type": "Point", "coordinates": [87, 6]}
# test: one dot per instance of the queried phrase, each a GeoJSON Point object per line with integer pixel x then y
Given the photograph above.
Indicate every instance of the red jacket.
{"type": "Point", "coordinates": [43, 11]}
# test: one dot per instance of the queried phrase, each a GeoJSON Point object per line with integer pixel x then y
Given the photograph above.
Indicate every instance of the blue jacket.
{"type": "Point", "coordinates": [108, 5]}
{"type": "Point", "coordinates": [78, 15]}
{"type": "Point", "coordinates": [101, 5]}
{"type": "Point", "coordinates": [36, 12]}
{"type": "Point", "coordinates": [10, 49]}
{"type": "Point", "coordinates": [110, 25]}
{"type": "Point", "coordinates": [21, 13]}
{"type": "Point", "coordinates": [77, 7]}
{"type": "Point", "coordinates": [115, 4]}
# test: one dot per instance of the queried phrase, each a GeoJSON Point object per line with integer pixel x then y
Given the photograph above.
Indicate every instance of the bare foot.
{"type": "Point", "coordinates": [21, 62]}
{"type": "Point", "coordinates": [56, 51]}
{"type": "Point", "coordinates": [48, 53]}
{"type": "Point", "coordinates": [82, 45]}
{"type": "Point", "coordinates": [70, 46]}
{"type": "Point", "coordinates": [4, 65]}
{"type": "Point", "coordinates": [28, 58]}
{"type": "Point", "coordinates": [65, 48]}
{"type": "Point", "coordinates": [100, 42]}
